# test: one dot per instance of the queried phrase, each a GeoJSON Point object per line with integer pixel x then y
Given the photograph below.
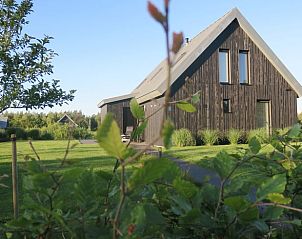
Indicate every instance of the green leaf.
{"type": "Point", "coordinates": [167, 133]}
{"type": "Point", "coordinates": [152, 169]}
{"type": "Point", "coordinates": [109, 138]}
{"type": "Point", "coordinates": [238, 203]}
{"type": "Point", "coordinates": [250, 214]}
{"type": "Point", "coordinates": [186, 106]}
{"type": "Point", "coordinates": [254, 145]}
{"type": "Point", "coordinates": [278, 198]}
{"type": "Point", "coordinates": [272, 212]}
{"type": "Point", "coordinates": [223, 164]}
{"type": "Point", "coordinates": [289, 164]}
{"type": "Point", "coordinates": [195, 98]}
{"type": "Point", "coordinates": [138, 131]}
{"type": "Point", "coordinates": [277, 145]}
{"type": "Point", "coordinates": [295, 131]}
{"type": "Point", "coordinates": [137, 110]}
{"type": "Point", "coordinates": [261, 226]}
{"type": "Point", "coordinates": [185, 188]}
{"type": "Point", "coordinates": [275, 184]}
{"type": "Point", "coordinates": [190, 217]}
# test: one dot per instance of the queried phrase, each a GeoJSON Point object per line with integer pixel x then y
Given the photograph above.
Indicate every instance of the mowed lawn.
{"type": "Point", "coordinates": [51, 154]}
{"type": "Point", "coordinates": [202, 155]}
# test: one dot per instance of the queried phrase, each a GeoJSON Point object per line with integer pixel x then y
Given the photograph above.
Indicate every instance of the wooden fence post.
{"type": "Point", "coordinates": [15, 176]}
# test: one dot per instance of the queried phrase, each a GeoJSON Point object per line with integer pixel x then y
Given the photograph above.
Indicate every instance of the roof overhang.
{"type": "Point", "coordinates": [115, 99]}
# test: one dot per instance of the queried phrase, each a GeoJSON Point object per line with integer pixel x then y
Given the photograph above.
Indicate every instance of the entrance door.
{"type": "Point", "coordinates": [128, 119]}
{"type": "Point", "coordinates": [263, 113]}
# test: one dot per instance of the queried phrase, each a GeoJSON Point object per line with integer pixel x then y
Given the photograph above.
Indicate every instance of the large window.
{"type": "Point", "coordinates": [224, 66]}
{"type": "Point", "coordinates": [244, 67]}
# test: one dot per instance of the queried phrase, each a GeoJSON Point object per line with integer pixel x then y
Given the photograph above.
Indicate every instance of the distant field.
{"type": "Point", "coordinates": [51, 153]}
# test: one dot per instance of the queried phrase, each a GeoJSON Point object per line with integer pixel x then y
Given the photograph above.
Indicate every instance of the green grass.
{"type": "Point", "coordinates": [201, 155]}
{"type": "Point", "coordinates": [51, 153]}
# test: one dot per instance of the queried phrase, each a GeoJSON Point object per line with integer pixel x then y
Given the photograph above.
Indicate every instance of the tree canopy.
{"type": "Point", "coordinates": [25, 63]}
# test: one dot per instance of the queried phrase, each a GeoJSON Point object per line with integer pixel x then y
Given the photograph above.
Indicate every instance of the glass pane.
{"type": "Point", "coordinates": [226, 106]}
{"type": "Point", "coordinates": [224, 66]}
{"type": "Point", "coordinates": [243, 67]}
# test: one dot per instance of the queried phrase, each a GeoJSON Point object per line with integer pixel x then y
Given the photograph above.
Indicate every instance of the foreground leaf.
{"type": "Point", "coordinates": [155, 13]}
{"type": "Point", "coordinates": [275, 184]}
{"type": "Point", "coordinates": [254, 145]}
{"type": "Point", "coordinates": [278, 198]}
{"type": "Point", "coordinates": [167, 133]}
{"type": "Point", "coordinates": [152, 170]}
{"type": "Point", "coordinates": [137, 110]}
{"type": "Point", "coordinates": [109, 138]}
{"type": "Point", "coordinates": [186, 106]}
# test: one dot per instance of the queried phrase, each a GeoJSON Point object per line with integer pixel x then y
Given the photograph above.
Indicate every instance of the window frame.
{"type": "Point", "coordinates": [247, 53]}
{"type": "Point", "coordinates": [228, 109]}
{"type": "Point", "coordinates": [228, 63]}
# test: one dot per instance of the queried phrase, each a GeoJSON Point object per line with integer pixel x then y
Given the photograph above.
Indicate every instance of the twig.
{"type": "Point", "coordinates": [121, 203]}
{"type": "Point", "coordinates": [34, 150]}
{"type": "Point", "coordinates": [278, 205]}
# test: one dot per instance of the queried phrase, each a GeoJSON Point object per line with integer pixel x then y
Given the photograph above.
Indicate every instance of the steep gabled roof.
{"type": "Point", "coordinates": [66, 119]}
{"type": "Point", "coordinates": [154, 84]}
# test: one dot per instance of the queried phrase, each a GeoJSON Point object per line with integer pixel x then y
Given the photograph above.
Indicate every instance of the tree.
{"type": "Point", "coordinates": [25, 62]}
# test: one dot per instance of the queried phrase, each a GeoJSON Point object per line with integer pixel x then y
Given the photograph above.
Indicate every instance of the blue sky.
{"type": "Point", "coordinates": [106, 48]}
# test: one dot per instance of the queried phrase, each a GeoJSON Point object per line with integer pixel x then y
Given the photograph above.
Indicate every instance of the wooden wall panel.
{"type": "Point", "coordinates": [266, 84]}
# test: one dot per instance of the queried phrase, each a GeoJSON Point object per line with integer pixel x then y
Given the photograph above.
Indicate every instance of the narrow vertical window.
{"type": "Point", "coordinates": [244, 67]}
{"type": "Point", "coordinates": [226, 106]}
{"type": "Point", "coordinates": [224, 66]}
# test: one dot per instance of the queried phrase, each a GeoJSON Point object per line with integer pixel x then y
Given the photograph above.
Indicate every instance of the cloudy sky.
{"type": "Point", "coordinates": [106, 48]}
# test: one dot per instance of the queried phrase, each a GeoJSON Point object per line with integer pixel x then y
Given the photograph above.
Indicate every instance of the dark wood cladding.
{"type": "Point", "coordinates": [152, 131]}
{"type": "Point", "coordinates": [116, 108]}
{"type": "Point", "coordinates": [266, 83]}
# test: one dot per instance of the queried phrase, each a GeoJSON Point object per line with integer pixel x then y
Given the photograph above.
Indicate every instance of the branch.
{"type": "Point", "coordinates": [278, 205]}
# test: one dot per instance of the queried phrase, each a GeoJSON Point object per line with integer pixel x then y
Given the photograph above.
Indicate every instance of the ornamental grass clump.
{"type": "Point", "coordinates": [209, 137]}
{"type": "Point", "coordinates": [183, 137]}
{"type": "Point", "coordinates": [233, 136]}
{"type": "Point", "coordinates": [261, 134]}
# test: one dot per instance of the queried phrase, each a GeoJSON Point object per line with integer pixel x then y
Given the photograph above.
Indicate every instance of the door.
{"type": "Point", "coordinates": [128, 119]}
{"type": "Point", "coordinates": [263, 115]}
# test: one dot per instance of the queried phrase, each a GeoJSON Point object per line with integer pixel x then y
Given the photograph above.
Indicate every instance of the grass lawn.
{"type": "Point", "coordinates": [202, 155]}
{"type": "Point", "coordinates": [51, 153]}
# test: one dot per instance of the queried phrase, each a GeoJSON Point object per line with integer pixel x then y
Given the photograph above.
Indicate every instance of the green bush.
{"type": "Point", "coordinates": [58, 131]}
{"type": "Point", "coordinates": [3, 135]}
{"type": "Point", "coordinates": [19, 132]}
{"type": "Point", "coordinates": [233, 135]}
{"type": "Point", "coordinates": [209, 137]}
{"type": "Point", "coordinates": [281, 131]}
{"type": "Point", "coordinates": [81, 133]}
{"type": "Point", "coordinates": [33, 134]}
{"type": "Point", "coordinates": [183, 137]}
{"type": "Point", "coordinates": [261, 134]}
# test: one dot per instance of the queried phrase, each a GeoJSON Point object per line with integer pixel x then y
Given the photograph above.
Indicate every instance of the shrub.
{"type": "Point", "coordinates": [281, 131]}
{"type": "Point", "coordinates": [45, 134]}
{"type": "Point", "coordinates": [209, 137]}
{"type": "Point", "coordinates": [33, 134]}
{"type": "Point", "coordinates": [261, 134]}
{"type": "Point", "coordinates": [19, 132]}
{"type": "Point", "coordinates": [81, 133]}
{"type": "Point", "coordinates": [3, 135]}
{"type": "Point", "coordinates": [234, 135]}
{"type": "Point", "coordinates": [183, 137]}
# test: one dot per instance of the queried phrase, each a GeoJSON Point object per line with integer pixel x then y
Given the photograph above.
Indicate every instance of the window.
{"type": "Point", "coordinates": [244, 67]}
{"type": "Point", "coordinates": [226, 106]}
{"type": "Point", "coordinates": [224, 66]}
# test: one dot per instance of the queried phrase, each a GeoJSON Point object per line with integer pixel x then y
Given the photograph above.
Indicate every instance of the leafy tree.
{"type": "Point", "coordinates": [25, 61]}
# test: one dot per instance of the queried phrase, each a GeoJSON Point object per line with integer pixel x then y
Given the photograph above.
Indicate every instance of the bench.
{"type": "Point", "coordinates": [159, 149]}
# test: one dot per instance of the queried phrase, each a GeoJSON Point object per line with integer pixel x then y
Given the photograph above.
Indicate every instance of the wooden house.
{"type": "Point", "coordinates": [242, 82]}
